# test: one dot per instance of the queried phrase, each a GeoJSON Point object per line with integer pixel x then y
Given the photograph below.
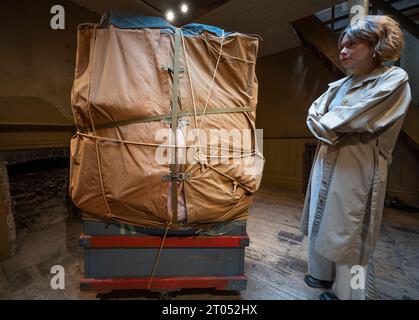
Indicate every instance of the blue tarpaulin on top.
{"type": "Point", "coordinates": [131, 21]}
{"type": "Point", "coordinates": [199, 28]}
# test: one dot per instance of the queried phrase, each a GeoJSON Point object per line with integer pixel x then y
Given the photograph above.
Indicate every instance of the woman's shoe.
{"type": "Point", "coordinates": [316, 283]}
{"type": "Point", "coordinates": [328, 295]}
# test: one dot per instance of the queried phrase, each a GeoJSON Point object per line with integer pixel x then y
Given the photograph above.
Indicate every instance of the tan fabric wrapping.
{"type": "Point", "coordinates": [119, 76]}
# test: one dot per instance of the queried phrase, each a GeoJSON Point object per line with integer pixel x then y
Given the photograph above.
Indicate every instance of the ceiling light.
{"type": "Point", "coordinates": [170, 16]}
{"type": "Point", "coordinates": [184, 8]}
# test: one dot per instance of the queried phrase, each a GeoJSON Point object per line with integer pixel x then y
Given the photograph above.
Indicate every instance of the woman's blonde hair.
{"type": "Point", "coordinates": [381, 32]}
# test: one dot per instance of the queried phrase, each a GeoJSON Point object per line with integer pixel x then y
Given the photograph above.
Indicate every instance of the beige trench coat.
{"type": "Point", "coordinates": [357, 138]}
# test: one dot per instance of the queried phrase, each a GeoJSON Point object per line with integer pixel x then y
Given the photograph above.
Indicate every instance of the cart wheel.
{"type": "Point", "coordinates": [166, 295]}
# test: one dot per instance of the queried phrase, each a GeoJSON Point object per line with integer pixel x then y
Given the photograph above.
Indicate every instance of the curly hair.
{"type": "Point", "coordinates": [382, 33]}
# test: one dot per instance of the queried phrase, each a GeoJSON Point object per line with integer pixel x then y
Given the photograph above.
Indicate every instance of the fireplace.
{"type": "Point", "coordinates": [34, 186]}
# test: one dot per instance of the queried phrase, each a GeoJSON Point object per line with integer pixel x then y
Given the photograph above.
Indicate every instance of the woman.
{"type": "Point", "coordinates": [357, 121]}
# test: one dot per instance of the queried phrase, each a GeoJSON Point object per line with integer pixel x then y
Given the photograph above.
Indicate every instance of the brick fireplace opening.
{"type": "Point", "coordinates": [34, 185]}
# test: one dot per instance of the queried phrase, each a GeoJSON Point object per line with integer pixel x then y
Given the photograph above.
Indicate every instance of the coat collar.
{"type": "Point", "coordinates": [372, 76]}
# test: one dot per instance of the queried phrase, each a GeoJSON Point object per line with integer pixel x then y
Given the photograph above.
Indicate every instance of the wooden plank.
{"type": "Point", "coordinates": [403, 176]}
{"type": "Point", "coordinates": [321, 37]}
{"type": "Point", "coordinates": [284, 162]}
{"type": "Point", "coordinates": [409, 176]}
{"type": "Point", "coordinates": [277, 255]}
{"type": "Point", "coordinates": [4, 238]}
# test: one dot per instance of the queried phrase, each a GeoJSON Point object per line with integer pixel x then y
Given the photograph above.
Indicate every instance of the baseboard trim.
{"type": "Point", "coordinates": [410, 198]}
{"type": "Point", "coordinates": [284, 183]}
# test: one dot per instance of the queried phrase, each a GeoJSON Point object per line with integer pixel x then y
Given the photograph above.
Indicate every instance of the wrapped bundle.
{"type": "Point", "coordinates": [157, 109]}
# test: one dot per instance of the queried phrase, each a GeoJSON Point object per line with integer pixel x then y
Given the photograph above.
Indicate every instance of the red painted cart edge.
{"type": "Point", "coordinates": [88, 241]}
{"type": "Point", "coordinates": [160, 283]}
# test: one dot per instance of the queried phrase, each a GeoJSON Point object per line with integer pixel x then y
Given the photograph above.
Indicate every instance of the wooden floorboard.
{"type": "Point", "coordinates": [278, 252]}
{"type": "Point", "coordinates": [275, 261]}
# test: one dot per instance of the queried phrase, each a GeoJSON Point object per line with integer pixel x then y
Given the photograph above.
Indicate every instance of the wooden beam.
{"type": "Point", "coordinates": [4, 233]}
{"type": "Point", "coordinates": [151, 6]}
{"type": "Point", "coordinates": [315, 35]}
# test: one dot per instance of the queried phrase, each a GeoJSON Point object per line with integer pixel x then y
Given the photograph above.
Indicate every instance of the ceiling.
{"type": "Point", "coordinates": [268, 18]}
{"type": "Point", "coordinates": [197, 8]}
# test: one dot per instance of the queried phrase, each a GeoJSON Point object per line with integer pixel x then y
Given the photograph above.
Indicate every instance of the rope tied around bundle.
{"type": "Point", "coordinates": [199, 157]}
